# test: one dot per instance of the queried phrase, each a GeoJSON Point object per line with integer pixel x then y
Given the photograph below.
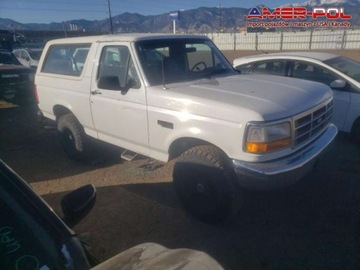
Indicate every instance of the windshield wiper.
{"type": "Point", "coordinates": [219, 71]}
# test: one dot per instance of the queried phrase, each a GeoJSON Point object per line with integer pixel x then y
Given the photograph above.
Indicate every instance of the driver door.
{"type": "Point", "coordinates": [118, 102]}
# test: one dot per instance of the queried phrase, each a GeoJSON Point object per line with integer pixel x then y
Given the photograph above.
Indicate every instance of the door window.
{"type": "Point", "coordinates": [275, 67]}
{"type": "Point", "coordinates": [312, 72]}
{"type": "Point", "coordinates": [62, 59]}
{"type": "Point", "coordinates": [117, 70]}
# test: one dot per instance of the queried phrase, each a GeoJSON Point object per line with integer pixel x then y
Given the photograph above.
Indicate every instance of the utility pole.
{"type": "Point", "coordinates": [111, 24]}
{"type": "Point", "coordinates": [174, 27]}
{"type": "Point", "coordinates": [64, 29]}
{"type": "Point", "coordinates": [220, 18]}
{"type": "Point", "coordinates": [174, 16]}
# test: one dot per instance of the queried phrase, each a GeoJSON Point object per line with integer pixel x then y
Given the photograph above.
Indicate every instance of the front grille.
{"type": "Point", "coordinates": [312, 123]}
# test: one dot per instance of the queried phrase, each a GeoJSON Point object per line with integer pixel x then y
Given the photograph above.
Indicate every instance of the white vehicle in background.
{"type": "Point", "coordinates": [28, 57]}
{"type": "Point", "coordinates": [340, 73]}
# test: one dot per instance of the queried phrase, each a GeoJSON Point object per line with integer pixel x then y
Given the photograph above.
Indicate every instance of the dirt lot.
{"type": "Point", "coordinates": [312, 225]}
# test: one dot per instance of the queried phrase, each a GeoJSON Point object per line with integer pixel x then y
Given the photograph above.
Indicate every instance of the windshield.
{"type": "Point", "coordinates": [176, 60]}
{"type": "Point", "coordinates": [345, 65]}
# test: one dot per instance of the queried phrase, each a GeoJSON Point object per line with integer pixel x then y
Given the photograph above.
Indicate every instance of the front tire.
{"type": "Point", "coordinates": [205, 183]}
{"type": "Point", "coordinates": [72, 136]}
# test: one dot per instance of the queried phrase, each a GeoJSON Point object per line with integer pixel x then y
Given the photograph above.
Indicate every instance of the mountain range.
{"type": "Point", "coordinates": [317, 3]}
{"type": "Point", "coordinates": [203, 19]}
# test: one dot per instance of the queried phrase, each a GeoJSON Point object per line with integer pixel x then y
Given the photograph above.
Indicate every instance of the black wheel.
{"type": "Point", "coordinates": [72, 136]}
{"type": "Point", "coordinates": [205, 184]}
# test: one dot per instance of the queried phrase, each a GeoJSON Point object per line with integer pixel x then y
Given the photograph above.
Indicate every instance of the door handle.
{"type": "Point", "coordinates": [96, 92]}
{"type": "Point", "coordinates": [165, 124]}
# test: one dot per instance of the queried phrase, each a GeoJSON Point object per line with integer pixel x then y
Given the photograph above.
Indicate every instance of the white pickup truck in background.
{"type": "Point", "coordinates": [176, 96]}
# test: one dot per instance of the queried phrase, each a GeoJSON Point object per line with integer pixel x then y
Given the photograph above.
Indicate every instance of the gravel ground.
{"type": "Point", "coordinates": [311, 225]}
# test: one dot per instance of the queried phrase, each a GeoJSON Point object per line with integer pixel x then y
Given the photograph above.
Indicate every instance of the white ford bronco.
{"type": "Point", "coordinates": [176, 96]}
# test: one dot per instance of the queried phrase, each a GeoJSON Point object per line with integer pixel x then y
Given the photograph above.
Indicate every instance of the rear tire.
{"type": "Point", "coordinates": [72, 136]}
{"type": "Point", "coordinates": [204, 181]}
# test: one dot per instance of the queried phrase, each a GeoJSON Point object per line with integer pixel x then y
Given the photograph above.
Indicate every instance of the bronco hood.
{"type": "Point", "coordinates": [261, 97]}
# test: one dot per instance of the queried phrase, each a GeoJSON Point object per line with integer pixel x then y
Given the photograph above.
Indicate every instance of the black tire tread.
{"type": "Point", "coordinates": [211, 155]}
{"type": "Point", "coordinates": [69, 121]}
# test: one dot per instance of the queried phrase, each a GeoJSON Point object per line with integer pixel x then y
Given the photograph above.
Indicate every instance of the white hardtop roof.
{"type": "Point", "coordinates": [321, 56]}
{"type": "Point", "coordinates": [121, 37]}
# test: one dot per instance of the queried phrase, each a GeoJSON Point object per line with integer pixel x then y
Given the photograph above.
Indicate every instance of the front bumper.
{"type": "Point", "coordinates": [284, 171]}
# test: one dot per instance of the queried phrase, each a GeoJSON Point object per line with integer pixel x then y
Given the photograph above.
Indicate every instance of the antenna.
{"type": "Point", "coordinates": [163, 72]}
{"type": "Point", "coordinates": [220, 18]}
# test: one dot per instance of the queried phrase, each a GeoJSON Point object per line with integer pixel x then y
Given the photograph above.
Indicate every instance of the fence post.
{"type": "Point", "coordinates": [311, 37]}
{"type": "Point", "coordinates": [343, 45]}
{"type": "Point", "coordinates": [281, 40]}
{"type": "Point", "coordinates": [256, 41]}
{"type": "Point", "coordinates": [234, 41]}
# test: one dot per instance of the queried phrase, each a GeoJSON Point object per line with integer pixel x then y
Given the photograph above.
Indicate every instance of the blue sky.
{"type": "Point", "coordinates": [46, 11]}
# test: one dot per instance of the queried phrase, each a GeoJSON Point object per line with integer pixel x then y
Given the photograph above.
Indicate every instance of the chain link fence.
{"type": "Point", "coordinates": [278, 41]}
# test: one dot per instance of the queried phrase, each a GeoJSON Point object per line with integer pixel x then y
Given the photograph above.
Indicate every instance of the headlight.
{"type": "Point", "coordinates": [266, 138]}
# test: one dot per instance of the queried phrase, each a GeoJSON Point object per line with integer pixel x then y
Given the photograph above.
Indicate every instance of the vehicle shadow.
{"type": "Point", "coordinates": [30, 145]}
{"type": "Point", "coordinates": [313, 224]}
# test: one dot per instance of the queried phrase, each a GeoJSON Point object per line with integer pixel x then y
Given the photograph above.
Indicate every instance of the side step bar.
{"type": "Point", "coordinates": [128, 155]}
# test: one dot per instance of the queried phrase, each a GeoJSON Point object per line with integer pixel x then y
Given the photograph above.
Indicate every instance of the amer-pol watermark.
{"type": "Point", "coordinates": [298, 17]}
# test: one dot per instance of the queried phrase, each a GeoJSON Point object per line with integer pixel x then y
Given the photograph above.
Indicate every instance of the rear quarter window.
{"type": "Point", "coordinates": [66, 59]}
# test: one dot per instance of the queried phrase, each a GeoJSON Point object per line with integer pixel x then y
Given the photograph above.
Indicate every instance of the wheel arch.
{"type": "Point", "coordinates": [206, 184]}
{"type": "Point", "coordinates": [60, 110]}
{"type": "Point", "coordinates": [180, 145]}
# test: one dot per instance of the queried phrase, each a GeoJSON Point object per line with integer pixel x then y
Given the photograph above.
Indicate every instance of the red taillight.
{"type": "Point", "coordinates": [36, 94]}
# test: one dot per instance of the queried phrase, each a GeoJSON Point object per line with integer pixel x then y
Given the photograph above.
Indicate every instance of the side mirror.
{"type": "Point", "coordinates": [338, 84]}
{"type": "Point", "coordinates": [237, 68]}
{"type": "Point", "coordinates": [190, 49]}
{"type": "Point", "coordinates": [133, 84]}
{"type": "Point", "coordinates": [27, 59]}
{"type": "Point", "coordinates": [78, 203]}
{"type": "Point", "coordinates": [109, 82]}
